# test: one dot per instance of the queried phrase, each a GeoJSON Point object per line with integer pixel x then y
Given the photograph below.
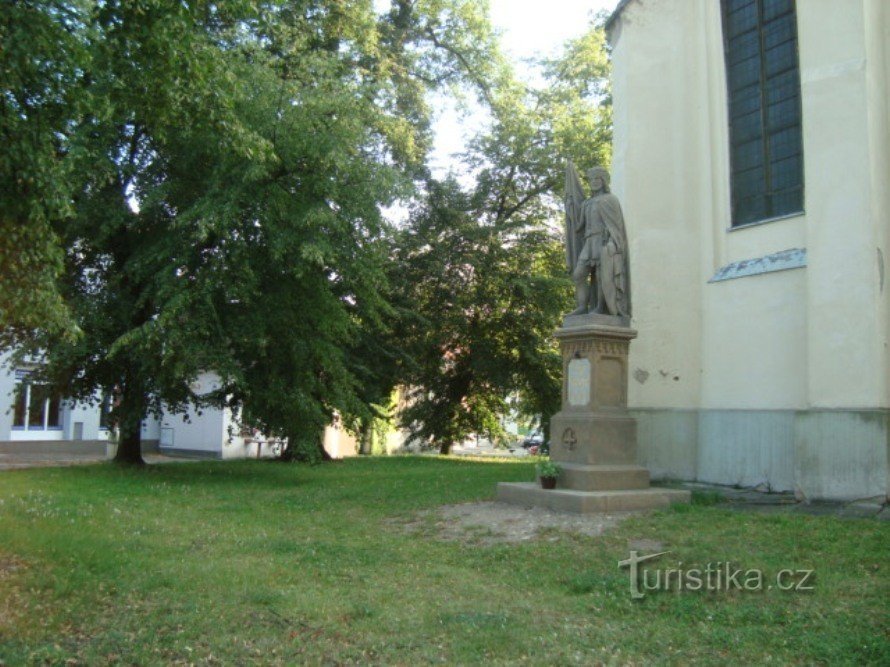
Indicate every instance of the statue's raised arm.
{"type": "Point", "coordinates": [574, 219]}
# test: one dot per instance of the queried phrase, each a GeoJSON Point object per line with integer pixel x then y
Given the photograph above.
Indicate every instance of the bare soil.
{"type": "Point", "coordinates": [493, 523]}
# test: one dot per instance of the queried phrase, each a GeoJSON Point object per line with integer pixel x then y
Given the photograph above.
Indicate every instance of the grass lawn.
{"type": "Point", "coordinates": [260, 562]}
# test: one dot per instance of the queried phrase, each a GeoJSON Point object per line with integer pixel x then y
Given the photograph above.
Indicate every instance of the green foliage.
{"type": "Point", "coordinates": [706, 498]}
{"type": "Point", "coordinates": [547, 468]}
{"type": "Point", "coordinates": [480, 273]}
{"type": "Point", "coordinates": [479, 304]}
{"type": "Point", "coordinates": [202, 183]}
{"type": "Point", "coordinates": [42, 57]}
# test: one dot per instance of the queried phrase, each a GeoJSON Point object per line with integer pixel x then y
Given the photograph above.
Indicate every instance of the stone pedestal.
{"type": "Point", "coordinates": [593, 438]}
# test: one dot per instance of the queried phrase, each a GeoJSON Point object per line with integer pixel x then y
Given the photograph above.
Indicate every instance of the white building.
{"type": "Point", "coordinates": [752, 159]}
{"type": "Point", "coordinates": [44, 418]}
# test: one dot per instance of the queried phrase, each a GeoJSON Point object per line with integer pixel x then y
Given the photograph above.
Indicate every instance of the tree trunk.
{"type": "Point", "coordinates": [129, 449]}
{"type": "Point", "coordinates": [445, 448]}
{"type": "Point", "coordinates": [366, 439]}
{"type": "Point", "coordinates": [306, 451]}
{"type": "Point", "coordinates": [130, 414]}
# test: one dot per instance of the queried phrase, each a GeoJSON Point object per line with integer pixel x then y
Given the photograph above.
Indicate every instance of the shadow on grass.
{"type": "Point", "coordinates": [273, 474]}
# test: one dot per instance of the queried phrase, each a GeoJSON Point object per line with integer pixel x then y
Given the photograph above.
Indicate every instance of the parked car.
{"type": "Point", "coordinates": [533, 440]}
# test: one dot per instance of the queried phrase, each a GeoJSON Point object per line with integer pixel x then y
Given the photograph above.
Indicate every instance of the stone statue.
{"type": "Point", "coordinates": [596, 245]}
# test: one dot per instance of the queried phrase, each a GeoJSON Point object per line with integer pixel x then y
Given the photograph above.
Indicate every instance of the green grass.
{"type": "Point", "coordinates": [258, 562]}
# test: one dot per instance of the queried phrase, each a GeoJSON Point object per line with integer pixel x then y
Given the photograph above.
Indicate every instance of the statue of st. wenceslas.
{"type": "Point", "coordinates": [596, 245]}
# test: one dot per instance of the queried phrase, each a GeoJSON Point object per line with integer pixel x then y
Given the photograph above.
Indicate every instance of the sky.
{"type": "Point", "coordinates": [529, 28]}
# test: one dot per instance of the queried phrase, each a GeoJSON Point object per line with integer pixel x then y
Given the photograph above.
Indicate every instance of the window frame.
{"type": "Point", "coordinates": [763, 163]}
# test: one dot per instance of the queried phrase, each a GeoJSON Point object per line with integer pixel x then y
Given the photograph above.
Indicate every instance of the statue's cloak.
{"type": "Point", "coordinates": [615, 258]}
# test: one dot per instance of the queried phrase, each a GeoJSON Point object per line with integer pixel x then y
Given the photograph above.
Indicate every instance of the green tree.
{"type": "Point", "coordinates": [225, 213]}
{"type": "Point", "coordinates": [43, 54]}
{"type": "Point", "coordinates": [483, 277]}
{"type": "Point", "coordinates": [480, 302]}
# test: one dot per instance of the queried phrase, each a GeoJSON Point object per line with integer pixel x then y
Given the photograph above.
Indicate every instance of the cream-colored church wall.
{"type": "Point", "coordinates": [877, 35]}
{"type": "Point", "coordinates": [671, 173]}
{"type": "Point", "coordinates": [782, 378]}
{"type": "Point", "coordinates": [845, 334]}
{"type": "Point", "coordinates": [754, 352]}
{"type": "Point", "coordinates": [654, 127]}
{"type": "Point", "coordinates": [671, 166]}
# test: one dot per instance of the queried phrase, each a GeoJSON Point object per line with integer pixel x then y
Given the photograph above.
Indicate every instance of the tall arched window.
{"type": "Point", "coordinates": [763, 81]}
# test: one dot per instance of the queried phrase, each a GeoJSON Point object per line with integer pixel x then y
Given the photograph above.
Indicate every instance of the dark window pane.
{"type": "Point", "coordinates": [774, 8]}
{"type": "Point", "coordinates": [749, 183]}
{"type": "Point", "coordinates": [39, 394]}
{"type": "Point", "coordinates": [783, 114]}
{"type": "Point", "coordinates": [747, 155]}
{"type": "Point", "coordinates": [750, 209]}
{"type": "Point", "coordinates": [787, 201]}
{"type": "Point", "coordinates": [780, 58]}
{"type": "Point", "coordinates": [763, 83]}
{"type": "Point", "coordinates": [782, 86]}
{"type": "Point", "coordinates": [741, 17]}
{"type": "Point", "coordinates": [744, 101]}
{"type": "Point", "coordinates": [785, 173]}
{"type": "Point", "coordinates": [743, 47]}
{"type": "Point", "coordinates": [746, 128]}
{"type": "Point", "coordinates": [784, 144]}
{"type": "Point", "coordinates": [19, 405]}
{"type": "Point", "coordinates": [54, 411]}
{"type": "Point", "coordinates": [744, 73]}
{"type": "Point", "coordinates": [780, 31]}
{"type": "Point", "coordinates": [733, 5]}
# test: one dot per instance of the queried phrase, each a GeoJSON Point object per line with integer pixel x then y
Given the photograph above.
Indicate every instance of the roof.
{"type": "Point", "coordinates": [615, 15]}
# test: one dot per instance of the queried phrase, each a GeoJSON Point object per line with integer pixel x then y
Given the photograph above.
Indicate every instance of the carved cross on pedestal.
{"type": "Point", "coordinates": [569, 439]}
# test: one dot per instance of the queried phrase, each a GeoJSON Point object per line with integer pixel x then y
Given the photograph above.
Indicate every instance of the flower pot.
{"type": "Point", "coordinates": [548, 482]}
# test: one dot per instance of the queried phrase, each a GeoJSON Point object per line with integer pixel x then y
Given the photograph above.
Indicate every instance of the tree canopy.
{"type": "Point", "coordinates": [481, 270]}
{"type": "Point", "coordinates": [225, 166]}
{"type": "Point", "coordinates": [198, 186]}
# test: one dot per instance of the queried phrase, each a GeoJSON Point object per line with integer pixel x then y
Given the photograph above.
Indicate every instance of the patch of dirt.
{"type": "Point", "coordinates": [12, 598]}
{"type": "Point", "coordinates": [493, 523]}
{"type": "Point", "coordinates": [9, 565]}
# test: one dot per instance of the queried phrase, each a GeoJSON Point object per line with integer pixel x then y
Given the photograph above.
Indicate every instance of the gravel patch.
{"type": "Point", "coordinates": [493, 523]}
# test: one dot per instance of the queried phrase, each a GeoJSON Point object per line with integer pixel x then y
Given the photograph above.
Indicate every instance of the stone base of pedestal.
{"type": "Point", "coordinates": [593, 439]}
{"type": "Point", "coordinates": [529, 494]}
{"type": "Point", "coordinates": [603, 477]}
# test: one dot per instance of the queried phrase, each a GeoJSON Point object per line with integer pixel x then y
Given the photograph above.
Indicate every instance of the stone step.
{"type": "Point", "coordinates": [582, 477]}
{"type": "Point", "coordinates": [529, 494]}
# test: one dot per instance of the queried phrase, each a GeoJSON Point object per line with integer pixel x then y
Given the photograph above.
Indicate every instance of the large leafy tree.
{"type": "Point", "coordinates": [480, 303]}
{"type": "Point", "coordinates": [483, 271]}
{"type": "Point", "coordinates": [225, 213]}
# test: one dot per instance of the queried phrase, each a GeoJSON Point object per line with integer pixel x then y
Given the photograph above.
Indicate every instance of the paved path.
{"type": "Point", "coordinates": [754, 500]}
{"type": "Point", "coordinates": [42, 454]}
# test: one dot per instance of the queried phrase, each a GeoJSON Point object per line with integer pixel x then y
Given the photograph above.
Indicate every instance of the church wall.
{"type": "Point", "coordinates": [662, 221]}
{"type": "Point", "coordinates": [773, 372]}
{"type": "Point", "coordinates": [845, 337]}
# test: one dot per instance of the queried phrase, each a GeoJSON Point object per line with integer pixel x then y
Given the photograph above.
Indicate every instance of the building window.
{"type": "Point", "coordinates": [36, 407]}
{"type": "Point", "coordinates": [763, 80]}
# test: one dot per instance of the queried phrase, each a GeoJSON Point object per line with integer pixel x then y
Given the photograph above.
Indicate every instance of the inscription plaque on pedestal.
{"type": "Point", "coordinates": [578, 382]}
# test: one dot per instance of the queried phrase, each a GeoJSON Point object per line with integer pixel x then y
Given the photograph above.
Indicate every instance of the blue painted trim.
{"type": "Point", "coordinates": [794, 258]}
